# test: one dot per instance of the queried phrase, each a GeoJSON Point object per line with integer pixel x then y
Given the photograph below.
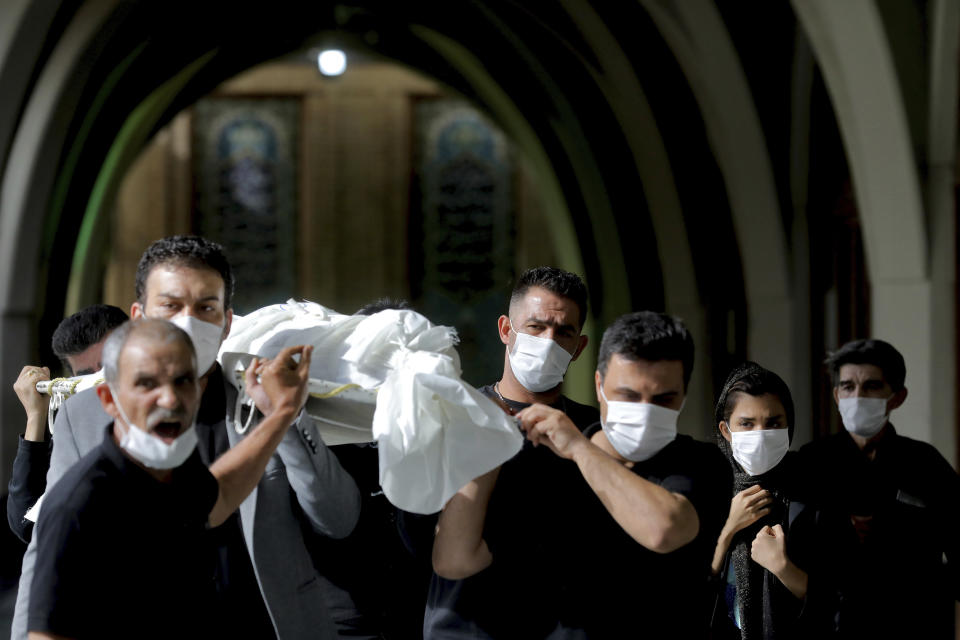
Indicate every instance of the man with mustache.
{"type": "Point", "coordinates": [266, 584]}
{"type": "Point", "coordinates": [121, 535]}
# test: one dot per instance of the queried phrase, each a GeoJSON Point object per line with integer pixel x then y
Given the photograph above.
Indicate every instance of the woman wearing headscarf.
{"type": "Point", "coordinates": [763, 589]}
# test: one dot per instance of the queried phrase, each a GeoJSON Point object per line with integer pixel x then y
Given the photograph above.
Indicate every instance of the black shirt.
{"type": "Point", "coordinates": [27, 484]}
{"type": "Point", "coordinates": [581, 415]}
{"type": "Point", "coordinates": [518, 595]}
{"type": "Point", "coordinates": [767, 608]}
{"type": "Point", "coordinates": [120, 554]}
{"type": "Point", "coordinates": [238, 603]}
{"type": "Point", "coordinates": [372, 586]}
{"type": "Point", "coordinates": [635, 590]}
{"type": "Point", "coordinates": [900, 547]}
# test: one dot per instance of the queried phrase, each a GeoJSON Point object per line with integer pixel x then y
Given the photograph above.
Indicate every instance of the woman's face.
{"type": "Point", "coordinates": [755, 412]}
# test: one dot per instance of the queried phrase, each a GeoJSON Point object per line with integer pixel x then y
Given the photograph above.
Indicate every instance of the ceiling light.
{"type": "Point", "coordinates": [332, 62]}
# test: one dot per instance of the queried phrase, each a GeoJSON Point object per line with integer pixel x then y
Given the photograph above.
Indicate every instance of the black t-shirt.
{"type": "Point", "coordinates": [533, 520]}
{"type": "Point", "coordinates": [582, 415]}
{"type": "Point", "coordinates": [900, 544]}
{"type": "Point", "coordinates": [636, 590]}
{"type": "Point", "coordinates": [120, 554]}
{"type": "Point", "coordinates": [372, 586]}
{"type": "Point", "coordinates": [518, 596]}
{"type": "Point", "coordinates": [27, 483]}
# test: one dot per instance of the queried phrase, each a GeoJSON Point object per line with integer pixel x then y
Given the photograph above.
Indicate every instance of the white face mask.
{"type": "Point", "coordinates": [638, 430]}
{"type": "Point", "coordinates": [863, 416]}
{"type": "Point", "coordinates": [538, 363]}
{"type": "Point", "coordinates": [759, 450]}
{"type": "Point", "coordinates": [150, 450]}
{"type": "Point", "coordinates": [206, 338]}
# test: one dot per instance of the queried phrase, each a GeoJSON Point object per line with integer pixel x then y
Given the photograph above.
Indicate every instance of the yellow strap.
{"type": "Point", "coordinates": [336, 392]}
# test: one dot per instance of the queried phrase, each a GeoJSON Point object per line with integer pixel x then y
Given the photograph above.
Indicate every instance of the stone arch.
{"type": "Point", "coordinates": [29, 177]}
{"type": "Point", "coordinates": [696, 34]}
{"type": "Point", "coordinates": [910, 254]}
{"type": "Point", "coordinates": [851, 47]}
{"type": "Point", "coordinates": [100, 50]}
{"type": "Point", "coordinates": [635, 116]}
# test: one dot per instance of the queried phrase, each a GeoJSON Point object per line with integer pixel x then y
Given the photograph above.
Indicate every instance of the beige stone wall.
{"type": "Point", "coordinates": [355, 174]}
{"type": "Point", "coordinates": [153, 201]}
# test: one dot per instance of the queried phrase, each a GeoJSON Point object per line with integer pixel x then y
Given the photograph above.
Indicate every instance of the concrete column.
{"type": "Point", "coordinates": [695, 32]}
{"type": "Point", "coordinates": [942, 207]}
{"type": "Point", "coordinates": [804, 361]}
{"type": "Point", "coordinates": [27, 181]}
{"type": "Point", "coordinates": [23, 32]}
{"type": "Point", "coordinates": [626, 97]}
{"type": "Point", "coordinates": [911, 265]}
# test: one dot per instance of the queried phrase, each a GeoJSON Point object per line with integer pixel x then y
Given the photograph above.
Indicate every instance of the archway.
{"type": "Point", "coordinates": [114, 72]}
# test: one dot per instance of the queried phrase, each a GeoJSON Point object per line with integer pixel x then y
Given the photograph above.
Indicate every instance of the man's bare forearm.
{"type": "Point", "coordinates": [720, 551]}
{"type": "Point", "coordinates": [239, 470]}
{"type": "Point", "coordinates": [656, 518]}
{"type": "Point", "coordinates": [794, 579]}
{"type": "Point", "coordinates": [459, 550]}
{"type": "Point", "coordinates": [42, 635]}
{"type": "Point", "coordinates": [36, 428]}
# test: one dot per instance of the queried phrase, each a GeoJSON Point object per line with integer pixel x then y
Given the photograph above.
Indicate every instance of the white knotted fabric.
{"type": "Point", "coordinates": [393, 377]}
{"type": "Point", "coordinates": [59, 389]}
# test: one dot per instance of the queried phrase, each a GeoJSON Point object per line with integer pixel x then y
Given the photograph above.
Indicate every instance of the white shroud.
{"type": "Point", "coordinates": [392, 377]}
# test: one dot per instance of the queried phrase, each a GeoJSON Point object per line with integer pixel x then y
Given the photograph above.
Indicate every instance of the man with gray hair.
{"type": "Point", "coordinates": [121, 536]}
{"type": "Point", "coordinates": [266, 585]}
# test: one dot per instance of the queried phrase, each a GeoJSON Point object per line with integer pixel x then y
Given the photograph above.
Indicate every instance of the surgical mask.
{"type": "Point", "coordinates": [863, 416]}
{"type": "Point", "coordinates": [538, 363]}
{"type": "Point", "coordinates": [638, 430]}
{"type": "Point", "coordinates": [759, 450]}
{"type": "Point", "coordinates": [150, 450]}
{"type": "Point", "coordinates": [206, 338]}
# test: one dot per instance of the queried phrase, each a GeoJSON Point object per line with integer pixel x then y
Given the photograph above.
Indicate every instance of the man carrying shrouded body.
{"type": "Point", "coordinates": [542, 334]}
{"type": "Point", "coordinates": [628, 543]}
{"type": "Point", "coordinates": [266, 585]}
{"type": "Point", "coordinates": [119, 539]}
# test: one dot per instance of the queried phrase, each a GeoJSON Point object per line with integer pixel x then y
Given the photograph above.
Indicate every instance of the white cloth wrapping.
{"type": "Point", "coordinates": [434, 431]}
{"type": "Point", "coordinates": [70, 386]}
{"type": "Point", "coordinates": [59, 389]}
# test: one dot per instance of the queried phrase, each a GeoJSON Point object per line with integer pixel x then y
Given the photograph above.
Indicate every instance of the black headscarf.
{"type": "Point", "coordinates": [761, 594]}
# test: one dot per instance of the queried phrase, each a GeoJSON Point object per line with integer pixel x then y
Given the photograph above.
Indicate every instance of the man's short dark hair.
{"type": "Point", "coordinates": [647, 335]}
{"type": "Point", "coordinates": [382, 305]}
{"type": "Point", "coordinates": [869, 351]}
{"type": "Point", "coordinates": [185, 251]}
{"type": "Point", "coordinates": [85, 328]}
{"type": "Point", "coordinates": [557, 281]}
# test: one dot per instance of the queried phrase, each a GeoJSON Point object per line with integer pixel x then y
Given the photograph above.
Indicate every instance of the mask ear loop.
{"type": "Point", "coordinates": [235, 365]}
